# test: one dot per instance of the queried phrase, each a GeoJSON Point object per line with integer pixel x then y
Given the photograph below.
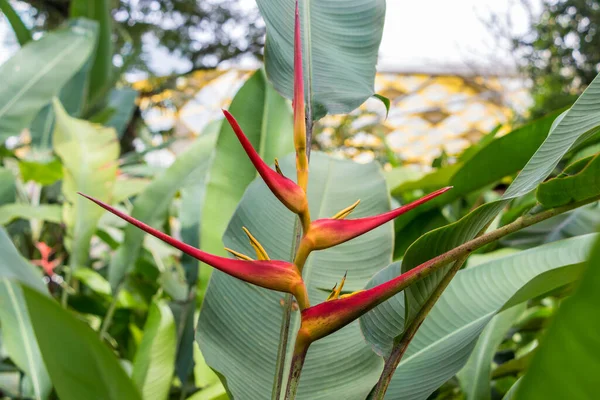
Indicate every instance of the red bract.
{"type": "Point", "coordinates": [325, 318]}
{"type": "Point", "coordinates": [286, 190]}
{"type": "Point", "coordinates": [276, 275]}
{"type": "Point", "coordinates": [329, 232]}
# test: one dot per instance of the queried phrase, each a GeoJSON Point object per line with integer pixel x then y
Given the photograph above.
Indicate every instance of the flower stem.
{"type": "Point", "coordinates": [300, 351]}
{"type": "Point", "coordinates": [400, 345]}
{"type": "Point", "coordinates": [459, 255]}
{"type": "Point", "coordinates": [106, 322]}
{"type": "Point", "coordinates": [284, 332]}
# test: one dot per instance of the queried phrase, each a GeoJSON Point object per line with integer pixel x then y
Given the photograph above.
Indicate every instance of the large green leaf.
{"type": "Point", "coordinates": [266, 119]}
{"type": "Point", "coordinates": [475, 375]}
{"type": "Point", "coordinates": [80, 365]}
{"type": "Point", "coordinates": [155, 357]}
{"type": "Point", "coordinates": [89, 155]}
{"type": "Point", "coordinates": [152, 204]}
{"type": "Point", "coordinates": [8, 186]}
{"type": "Point", "coordinates": [21, 32]}
{"type": "Point", "coordinates": [239, 325]}
{"type": "Point", "coordinates": [565, 363]}
{"type": "Point", "coordinates": [38, 71]}
{"type": "Point", "coordinates": [73, 98]}
{"type": "Point", "coordinates": [339, 48]}
{"type": "Point", "coordinates": [570, 128]}
{"type": "Point", "coordinates": [581, 185]}
{"type": "Point", "coordinates": [101, 70]}
{"type": "Point", "coordinates": [18, 339]}
{"type": "Point", "coordinates": [44, 212]}
{"type": "Point", "coordinates": [14, 266]}
{"type": "Point", "coordinates": [122, 101]}
{"type": "Point", "coordinates": [444, 342]}
{"type": "Point", "coordinates": [190, 215]}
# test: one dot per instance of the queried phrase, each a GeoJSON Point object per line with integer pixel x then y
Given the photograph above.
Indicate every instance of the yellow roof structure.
{"type": "Point", "coordinates": [429, 114]}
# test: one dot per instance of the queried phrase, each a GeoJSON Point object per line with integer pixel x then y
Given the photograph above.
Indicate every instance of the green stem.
{"type": "Point", "coordinates": [64, 298]}
{"type": "Point", "coordinates": [284, 332]}
{"type": "Point", "coordinates": [106, 322]}
{"type": "Point", "coordinates": [300, 351]}
{"type": "Point", "coordinates": [458, 254]}
{"type": "Point", "coordinates": [400, 346]}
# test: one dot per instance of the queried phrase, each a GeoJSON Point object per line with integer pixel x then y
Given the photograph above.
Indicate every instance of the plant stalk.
{"type": "Point", "coordinates": [300, 351]}
{"type": "Point", "coordinates": [401, 345]}
{"type": "Point", "coordinates": [286, 319]}
{"type": "Point", "coordinates": [110, 313]}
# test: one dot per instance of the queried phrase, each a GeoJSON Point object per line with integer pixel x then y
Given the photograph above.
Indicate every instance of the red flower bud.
{"type": "Point", "coordinates": [275, 275]}
{"type": "Point", "coordinates": [286, 190]}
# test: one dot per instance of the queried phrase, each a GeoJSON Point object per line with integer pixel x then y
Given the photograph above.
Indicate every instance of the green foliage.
{"type": "Point", "coordinates": [89, 156]}
{"type": "Point", "coordinates": [559, 52]}
{"type": "Point", "coordinates": [335, 82]}
{"type": "Point", "coordinates": [444, 342]}
{"type": "Point", "coordinates": [135, 23]}
{"type": "Point", "coordinates": [578, 185]}
{"type": "Point", "coordinates": [130, 304]}
{"type": "Point", "coordinates": [476, 374]}
{"type": "Point", "coordinates": [101, 70]}
{"type": "Point", "coordinates": [155, 359]}
{"type": "Point", "coordinates": [68, 346]}
{"type": "Point", "coordinates": [62, 53]}
{"type": "Point", "coordinates": [563, 365]}
{"type": "Point", "coordinates": [569, 130]}
{"type": "Point", "coordinates": [44, 173]}
{"type": "Point", "coordinates": [21, 32]}
{"type": "Point", "coordinates": [152, 204]}
{"type": "Point", "coordinates": [45, 212]}
{"type": "Point", "coordinates": [7, 186]}
{"type": "Point", "coordinates": [18, 339]}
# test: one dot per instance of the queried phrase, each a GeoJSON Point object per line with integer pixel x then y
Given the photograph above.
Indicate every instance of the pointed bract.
{"type": "Point", "coordinates": [276, 275]}
{"type": "Point", "coordinates": [286, 190]}
{"type": "Point", "coordinates": [325, 318]}
{"type": "Point", "coordinates": [325, 233]}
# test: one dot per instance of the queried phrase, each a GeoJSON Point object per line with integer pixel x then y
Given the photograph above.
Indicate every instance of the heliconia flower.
{"type": "Point", "coordinates": [44, 261]}
{"type": "Point", "coordinates": [270, 274]}
{"type": "Point", "coordinates": [329, 232]}
{"type": "Point", "coordinates": [286, 190]}
{"type": "Point", "coordinates": [298, 103]}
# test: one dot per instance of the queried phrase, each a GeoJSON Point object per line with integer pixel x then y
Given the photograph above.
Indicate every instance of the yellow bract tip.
{"type": "Point", "coordinates": [261, 253]}
{"type": "Point", "coordinates": [277, 167]}
{"type": "Point", "coordinates": [335, 292]}
{"type": "Point", "coordinates": [238, 255]}
{"type": "Point", "coordinates": [346, 211]}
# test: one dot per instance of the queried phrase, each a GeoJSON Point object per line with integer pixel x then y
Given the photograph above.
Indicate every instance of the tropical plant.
{"type": "Point", "coordinates": [311, 304]}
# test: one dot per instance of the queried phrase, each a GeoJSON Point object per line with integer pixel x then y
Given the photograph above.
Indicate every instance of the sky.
{"type": "Point", "coordinates": [419, 35]}
{"type": "Point", "coordinates": [442, 33]}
